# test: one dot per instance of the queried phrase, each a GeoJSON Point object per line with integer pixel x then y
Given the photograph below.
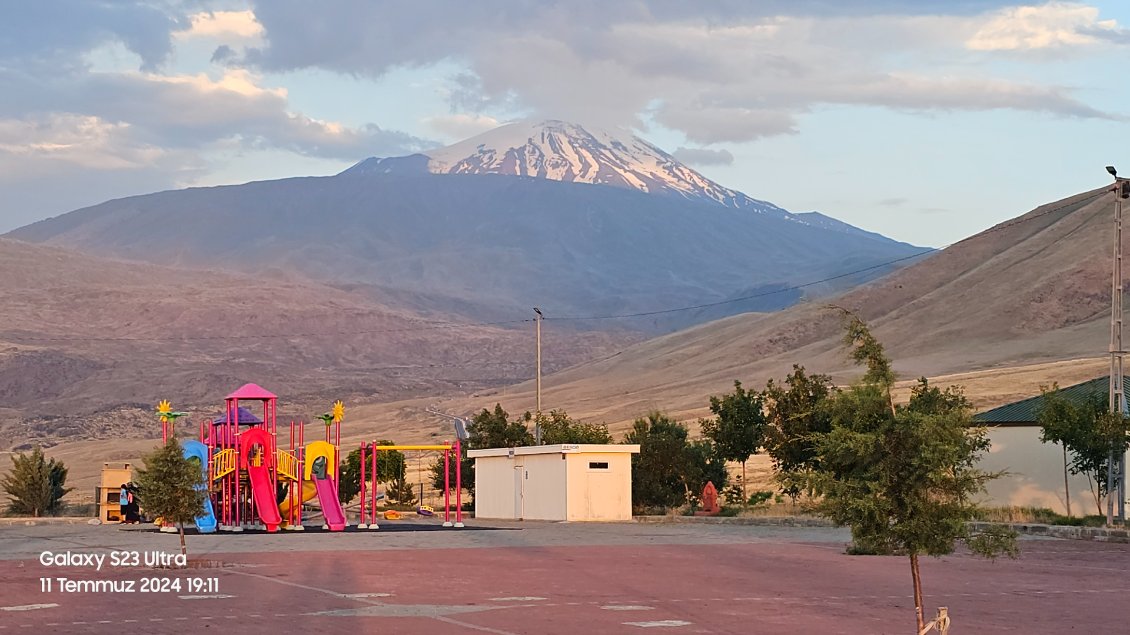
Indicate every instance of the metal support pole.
{"type": "Point", "coordinates": [1116, 484]}
{"type": "Point", "coordinates": [361, 524]}
{"type": "Point", "coordinates": [447, 488]}
{"type": "Point", "coordinates": [537, 383]}
{"type": "Point", "coordinates": [376, 481]}
{"type": "Point", "coordinates": [458, 483]}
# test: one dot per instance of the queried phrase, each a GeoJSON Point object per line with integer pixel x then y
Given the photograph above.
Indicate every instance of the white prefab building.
{"type": "Point", "coordinates": [554, 482]}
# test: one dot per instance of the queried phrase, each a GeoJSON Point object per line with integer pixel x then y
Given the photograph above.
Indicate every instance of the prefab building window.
{"type": "Point", "coordinates": [598, 465]}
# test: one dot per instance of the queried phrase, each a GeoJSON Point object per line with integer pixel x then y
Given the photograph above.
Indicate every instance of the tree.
{"type": "Point", "coordinates": [35, 484]}
{"type": "Point", "coordinates": [739, 427]}
{"type": "Point", "coordinates": [558, 427]}
{"type": "Point", "coordinates": [903, 478]}
{"type": "Point", "coordinates": [797, 414]}
{"type": "Point", "coordinates": [658, 468]}
{"type": "Point", "coordinates": [704, 464]}
{"type": "Point", "coordinates": [488, 430]}
{"type": "Point", "coordinates": [1088, 431]}
{"type": "Point", "coordinates": [172, 486]}
{"type": "Point", "coordinates": [669, 468]}
{"type": "Point", "coordinates": [390, 466]}
{"type": "Point", "coordinates": [401, 491]}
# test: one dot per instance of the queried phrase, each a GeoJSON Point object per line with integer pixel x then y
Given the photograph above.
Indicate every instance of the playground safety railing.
{"type": "Point", "coordinates": [287, 464]}
{"type": "Point", "coordinates": [224, 460]}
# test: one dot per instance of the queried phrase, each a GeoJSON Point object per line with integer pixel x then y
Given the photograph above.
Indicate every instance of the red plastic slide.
{"type": "Point", "coordinates": [262, 486]}
{"type": "Point", "coordinates": [331, 506]}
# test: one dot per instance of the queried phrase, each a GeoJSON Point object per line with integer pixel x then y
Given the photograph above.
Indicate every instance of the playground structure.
{"type": "Point", "coordinates": [250, 480]}
{"type": "Point", "coordinates": [254, 483]}
{"type": "Point", "coordinates": [370, 453]}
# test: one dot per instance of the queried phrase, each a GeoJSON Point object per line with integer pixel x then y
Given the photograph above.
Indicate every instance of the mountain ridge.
{"type": "Point", "coordinates": [475, 237]}
{"type": "Point", "coordinates": [1032, 290]}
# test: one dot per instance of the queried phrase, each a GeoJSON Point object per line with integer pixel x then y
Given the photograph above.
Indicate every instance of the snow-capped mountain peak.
{"type": "Point", "coordinates": [563, 151]}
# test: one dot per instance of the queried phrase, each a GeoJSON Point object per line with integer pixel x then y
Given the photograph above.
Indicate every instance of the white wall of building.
{"type": "Point", "coordinates": [558, 482]}
{"type": "Point", "coordinates": [1034, 473]}
{"type": "Point", "coordinates": [600, 486]}
{"type": "Point", "coordinates": [494, 488]}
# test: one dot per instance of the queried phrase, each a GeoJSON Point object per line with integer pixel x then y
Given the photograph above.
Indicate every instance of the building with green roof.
{"type": "Point", "coordinates": [1034, 471]}
{"type": "Point", "coordinates": [1023, 412]}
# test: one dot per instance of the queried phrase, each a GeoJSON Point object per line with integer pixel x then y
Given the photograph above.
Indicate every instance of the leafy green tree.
{"type": "Point", "coordinates": [669, 468]}
{"type": "Point", "coordinates": [169, 486]}
{"type": "Point", "coordinates": [1088, 431]}
{"type": "Point", "coordinates": [558, 427]}
{"type": "Point", "coordinates": [658, 468]}
{"type": "Point", "coordinates": [797, 414]}
{"type": "Point", "coordinates": [704, 464]}
{"type": "Point", "coordinates": [401, 491]}
{"type": "Point", "coordinates": [495, 430]}
{"type": "Point", "coordinates": [738, 429]}
{"type": "Point", "coordinates": [390, 466]}
{"type": "Point", "coordinates": [488, 430]}
{"type": "Point", "coordinates": [902, 478]}
{"type": "Point", "coordinates": [35, 484]}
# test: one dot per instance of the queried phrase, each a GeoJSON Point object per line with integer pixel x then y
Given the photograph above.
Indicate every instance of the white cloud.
{"type": "Point", "coordinates": [83, 140]}
{"type": "Point", "coordinates": [1051, 25]}
{"type": "Point", "coordinates": [239, 81]}
{"type": "Point", "coordinates": [728, 72]}
{"type": "Point", "coordinates": [192, 111]}
{"type": "Point", "coordinates": [461, 125]}
{"type": "Point", "coordinates": [222, 25]}
{"type": "Point", "coordinates": [703, 156]}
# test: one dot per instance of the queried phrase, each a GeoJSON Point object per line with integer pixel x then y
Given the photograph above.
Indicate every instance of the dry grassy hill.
{"type": "Point", "coordinates": [87, 345]}
{"type": "Point", "coordinates": [1030, 291]}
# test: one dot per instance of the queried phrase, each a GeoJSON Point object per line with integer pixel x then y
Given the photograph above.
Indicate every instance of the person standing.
{"type": "Point", "coordinates": [123, 503]}
{"type": "Point", "coordinates": [133, 509]}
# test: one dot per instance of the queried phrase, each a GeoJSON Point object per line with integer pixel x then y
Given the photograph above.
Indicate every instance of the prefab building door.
{"type": "Point", "coordinates": [520, 476]}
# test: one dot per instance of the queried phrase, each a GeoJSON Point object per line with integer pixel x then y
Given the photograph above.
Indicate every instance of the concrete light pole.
{"type": "Point", "coordinates": [1117, 397]}
{"type": "Point", "coordinates": [537, 382]}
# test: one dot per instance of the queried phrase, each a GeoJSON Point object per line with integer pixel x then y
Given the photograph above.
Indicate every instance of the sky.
{"type": "Point", "coordinates": [925, 120]}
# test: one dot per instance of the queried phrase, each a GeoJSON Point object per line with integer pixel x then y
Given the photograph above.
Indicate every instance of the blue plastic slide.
{"type": "Point", "coordinates": [205, 523]}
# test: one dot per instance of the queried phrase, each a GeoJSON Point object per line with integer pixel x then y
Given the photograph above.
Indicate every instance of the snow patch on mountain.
{"type": "Point", "coordinates": [563, 151]}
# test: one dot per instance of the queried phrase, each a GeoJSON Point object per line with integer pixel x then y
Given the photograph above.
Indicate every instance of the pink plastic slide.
{"type": "Point", "coordinates": [331, 506]}
{"type": "Point", "coordinates": [257, 441]}
{"type": "Point", "coordinates": [264, 492]}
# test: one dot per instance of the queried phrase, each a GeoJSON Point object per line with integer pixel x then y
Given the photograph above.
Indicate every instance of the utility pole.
{"type": "Point", "coordinates": [537, 382]}
{"type": "Point", "coordinates": [1117, 463]}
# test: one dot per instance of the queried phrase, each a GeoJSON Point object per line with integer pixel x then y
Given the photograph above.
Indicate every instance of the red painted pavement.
{"type": "Point", "coordinates": [760, 587]}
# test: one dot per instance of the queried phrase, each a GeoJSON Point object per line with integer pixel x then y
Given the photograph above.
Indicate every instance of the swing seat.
{"type": "Point", "coordinates": [392, 514]}
{"type": "Point", "coordinates": [425, 510]}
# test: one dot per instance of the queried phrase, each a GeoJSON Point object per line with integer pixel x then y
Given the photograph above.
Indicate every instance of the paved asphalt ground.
{"type": "Point", "coordinates": [511, 578]}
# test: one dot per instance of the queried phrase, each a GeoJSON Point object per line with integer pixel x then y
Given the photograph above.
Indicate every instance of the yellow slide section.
{"type": "Point", "coordinates": [308, 492]}
{"type": "Point", "coordinates": [314, 450]}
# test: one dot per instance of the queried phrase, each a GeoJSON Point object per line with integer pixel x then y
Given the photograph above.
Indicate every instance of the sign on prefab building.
{"type": "Point", "coordinates": [579, 482]}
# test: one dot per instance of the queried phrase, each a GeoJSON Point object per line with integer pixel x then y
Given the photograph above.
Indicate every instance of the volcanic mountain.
{"type": "Point", "coordinates": [561, 151]}
{"type": "Point", "coordinates": [544, 214]}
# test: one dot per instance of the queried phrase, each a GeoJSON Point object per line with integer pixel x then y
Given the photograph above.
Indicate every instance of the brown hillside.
{"type": "Point", "coordinates": [87, 345]}
{"type": "Point", "coordinates": [1035, 289]}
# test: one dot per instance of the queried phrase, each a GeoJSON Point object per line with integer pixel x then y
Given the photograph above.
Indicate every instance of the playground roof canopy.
{"type": "Point", "coordinates": [252, 391]}
{"type": "Point", "coordinates": [245, 418]}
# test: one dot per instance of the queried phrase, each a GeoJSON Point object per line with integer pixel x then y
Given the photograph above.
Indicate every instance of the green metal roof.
{"type": "Point", "coordinates": [1023, 412]}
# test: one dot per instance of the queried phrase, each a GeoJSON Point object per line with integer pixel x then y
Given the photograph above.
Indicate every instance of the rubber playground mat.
{"type": "Point", "coordinates": [389, 526]}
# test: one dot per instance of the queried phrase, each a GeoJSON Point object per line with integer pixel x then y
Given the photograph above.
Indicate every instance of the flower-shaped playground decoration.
{"type": "Point", "coordinates": [166, 413]}
{"type": "Point", "coordinates": [334, 416]}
